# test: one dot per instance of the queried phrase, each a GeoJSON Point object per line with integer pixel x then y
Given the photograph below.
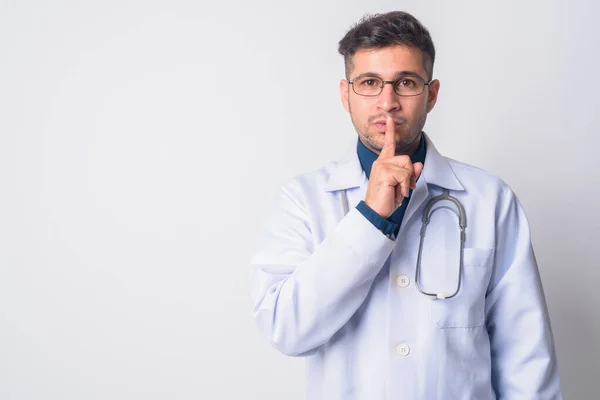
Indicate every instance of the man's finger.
{"type": "Point", "coordinates": [418, 167]}
{"type": "Point", "coordinates": [403, 186]}
{"type": "Point", "coordinates": [389, 145]}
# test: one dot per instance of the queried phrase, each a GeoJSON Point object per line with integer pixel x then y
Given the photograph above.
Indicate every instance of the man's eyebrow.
{"type": "Point", "coordinates": [396, 76]}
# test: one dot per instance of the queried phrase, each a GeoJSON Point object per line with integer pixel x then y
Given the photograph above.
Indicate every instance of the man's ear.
{"type": "Point", "coordinates": [434, 88]}
{"type": "Point", "coordinates": [344, 86]}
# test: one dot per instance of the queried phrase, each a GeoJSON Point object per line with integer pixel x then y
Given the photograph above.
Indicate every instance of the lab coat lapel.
{"type": "Point", "coordinates": [436, 171]}
{"type": "Point", "coordinates": [348, 172]}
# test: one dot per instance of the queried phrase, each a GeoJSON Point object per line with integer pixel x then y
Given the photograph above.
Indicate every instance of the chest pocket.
{"type": "Point", "coordinates": [467, 308]}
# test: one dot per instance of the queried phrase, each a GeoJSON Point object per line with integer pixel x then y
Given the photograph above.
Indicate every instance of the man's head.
{"type": "Point", "coordinates": [388, 47]}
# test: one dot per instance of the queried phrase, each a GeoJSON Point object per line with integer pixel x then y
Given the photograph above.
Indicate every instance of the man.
{"type": "Point", "coordinates": [343, 277]}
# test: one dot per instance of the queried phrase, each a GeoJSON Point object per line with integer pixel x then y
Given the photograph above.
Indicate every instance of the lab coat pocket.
{"type": "Point", "coordinates": [467, 308]}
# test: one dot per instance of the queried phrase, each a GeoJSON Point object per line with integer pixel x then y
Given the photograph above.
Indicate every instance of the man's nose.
{"type": "Point", "coordinates": [388, 100]}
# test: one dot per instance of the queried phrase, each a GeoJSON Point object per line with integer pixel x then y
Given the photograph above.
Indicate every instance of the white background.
{"type": "Point", "coordinates": [141, 142]}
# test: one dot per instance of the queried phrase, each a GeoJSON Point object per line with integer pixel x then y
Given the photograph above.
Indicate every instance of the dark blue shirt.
{"type": "Point", "coordinates": [391, 225]}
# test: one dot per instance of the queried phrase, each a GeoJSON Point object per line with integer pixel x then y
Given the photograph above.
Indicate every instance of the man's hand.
{"type": "Point", "coordinates": [391, 176]}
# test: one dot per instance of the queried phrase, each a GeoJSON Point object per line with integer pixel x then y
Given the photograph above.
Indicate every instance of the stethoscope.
{"type": "Point", "coordinates": [462, 223]}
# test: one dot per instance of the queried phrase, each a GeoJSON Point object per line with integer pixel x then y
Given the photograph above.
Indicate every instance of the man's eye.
{"type": "Point", "coordinates": [369, 82]}
{"type": "Point", "coordinates": [406, 82]}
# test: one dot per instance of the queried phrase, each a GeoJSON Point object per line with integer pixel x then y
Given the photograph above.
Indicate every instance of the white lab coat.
{"type": "Point", "coordinates": [333, 288]}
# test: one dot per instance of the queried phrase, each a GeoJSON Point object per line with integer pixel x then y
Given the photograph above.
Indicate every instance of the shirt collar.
{"type": "Point", "coordinates": [348, 173]}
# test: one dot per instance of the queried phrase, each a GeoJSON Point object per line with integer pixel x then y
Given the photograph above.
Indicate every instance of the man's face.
{"type": "Point", "coordinates": [409, 113]}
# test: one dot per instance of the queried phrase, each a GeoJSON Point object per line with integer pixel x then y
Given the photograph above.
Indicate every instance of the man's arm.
{"type": "Point", "coordinates": [303, 294]}
{"type": "Point", "coordinates": [522, 347]}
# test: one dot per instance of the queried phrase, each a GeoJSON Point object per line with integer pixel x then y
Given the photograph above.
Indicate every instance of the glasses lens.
{"type": "Point", "coordinates": [409, 86]}
{"type": "Point", "coordinates": [368, 86]}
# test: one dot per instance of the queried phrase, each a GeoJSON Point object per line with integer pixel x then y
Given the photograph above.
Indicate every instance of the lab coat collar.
{"type": "Point", "coordinates": [348, 172]}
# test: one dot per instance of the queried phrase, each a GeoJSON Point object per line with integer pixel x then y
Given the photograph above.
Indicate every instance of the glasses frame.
{"type": "Point", "coordinates": [393, 86]}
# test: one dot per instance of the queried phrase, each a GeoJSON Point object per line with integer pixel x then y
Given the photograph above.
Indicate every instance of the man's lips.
{"type": "Point", "coordinates": [381, 125]}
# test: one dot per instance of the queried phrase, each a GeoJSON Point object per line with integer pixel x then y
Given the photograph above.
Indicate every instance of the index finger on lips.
{"type": "Point", "coordinates": [389, 145]}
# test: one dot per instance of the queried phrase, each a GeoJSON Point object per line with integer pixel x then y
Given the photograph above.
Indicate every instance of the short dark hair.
{"type": "Point", "coordinates": [375, 31]}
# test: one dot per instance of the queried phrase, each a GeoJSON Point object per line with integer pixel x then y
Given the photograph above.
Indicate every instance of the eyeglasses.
{"type": "Point", "coordinates": [407, 85]}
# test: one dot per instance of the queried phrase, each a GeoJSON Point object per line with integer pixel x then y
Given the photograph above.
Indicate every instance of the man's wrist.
{"type": "Point", "coordinates": [387, 227]}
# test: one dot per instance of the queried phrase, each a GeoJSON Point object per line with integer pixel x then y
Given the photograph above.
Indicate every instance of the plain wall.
{"type": "Point", "coordinates": [142, 141]}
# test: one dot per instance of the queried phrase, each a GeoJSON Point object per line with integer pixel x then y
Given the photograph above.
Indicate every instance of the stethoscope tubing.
{"type": "Point", "coordinates": [425, 219]}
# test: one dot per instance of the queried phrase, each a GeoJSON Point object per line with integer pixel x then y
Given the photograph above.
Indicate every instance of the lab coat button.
{"type": "Point", "coordinates": [402, 281]}
{"type": "Point", "coordinates": [403, 349]}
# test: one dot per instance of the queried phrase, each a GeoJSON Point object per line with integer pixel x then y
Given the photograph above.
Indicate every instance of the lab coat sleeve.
{"type": "Point", "coordinates": [523, 356]}
{"type": "Point", "coordinates": [302, 292]}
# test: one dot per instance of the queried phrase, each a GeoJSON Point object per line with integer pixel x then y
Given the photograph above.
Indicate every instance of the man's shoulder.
{"type": "Point", "coordinates": [485, 186]}
{"type": "Point", "coordinates": [315, 179]}
{"type": "Point", "coordinates": [470, 175]}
